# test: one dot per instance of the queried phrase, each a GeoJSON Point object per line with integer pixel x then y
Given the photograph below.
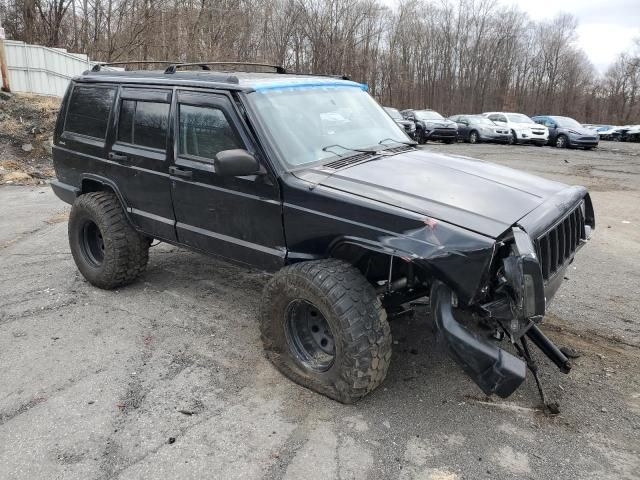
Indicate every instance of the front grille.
{"type": "Point", "coordinates": [558, 245]}
{"type": "Point", "coordinates": [587, 139]}
{"type": "Point", "coordinates": [537, 132]}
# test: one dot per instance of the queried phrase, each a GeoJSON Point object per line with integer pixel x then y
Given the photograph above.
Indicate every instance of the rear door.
{"type": "Point", "coordinates": [239, 218]}
{"type": "Point", "coordinates": [139, 161]}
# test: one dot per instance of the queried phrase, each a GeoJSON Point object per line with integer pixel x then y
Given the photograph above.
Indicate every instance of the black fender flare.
{"type": "Point", "coordinates": [106, 182]}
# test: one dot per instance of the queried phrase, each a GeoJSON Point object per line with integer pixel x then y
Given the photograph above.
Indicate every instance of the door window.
{"type": "Point", "coordinates": [144, 123]}
{"type": "Point", "coordinates": [89, 110]}
{"type": "Point", "coordinates": [205, 131]}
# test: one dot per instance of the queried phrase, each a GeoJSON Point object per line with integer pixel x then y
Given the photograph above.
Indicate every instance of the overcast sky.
{"type": "Point", "coordinates": [606, 27]}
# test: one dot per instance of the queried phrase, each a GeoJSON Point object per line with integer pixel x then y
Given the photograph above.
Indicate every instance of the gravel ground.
{"type": "Point", "coordinates": [166, 378]}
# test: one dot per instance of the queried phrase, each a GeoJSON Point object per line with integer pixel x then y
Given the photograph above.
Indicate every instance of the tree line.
{"type": "Point", "coordinates": [455, 56]}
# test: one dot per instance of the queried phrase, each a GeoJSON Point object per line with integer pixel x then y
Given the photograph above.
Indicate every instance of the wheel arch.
{"type": "Point", "coordinates": [96, 183]}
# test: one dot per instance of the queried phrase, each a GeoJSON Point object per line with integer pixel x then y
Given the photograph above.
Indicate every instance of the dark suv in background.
{"type": "Point", "coordinates": [430, 125]}
{"type": "Point", "coordinates": [408, 126]}
{"type": "Point", "coordinates": [566, 132]}
{"type": "Point", "coordinates": [350, 217]}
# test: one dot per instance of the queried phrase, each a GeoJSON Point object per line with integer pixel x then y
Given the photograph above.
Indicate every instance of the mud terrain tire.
{"type": "Point", "coordinates": [358, 323]}
{"type": "Point", "coordinates": [107, 250]}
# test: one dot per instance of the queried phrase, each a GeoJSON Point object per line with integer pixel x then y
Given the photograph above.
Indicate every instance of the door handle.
{"type": "Point", "coordinates": [179, 172]}
{"type": "Point", "coordinates": [117, 157]}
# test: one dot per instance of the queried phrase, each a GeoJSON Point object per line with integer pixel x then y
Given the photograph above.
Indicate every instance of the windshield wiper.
{"type": "Point", "coordinates": [403, 142]}
{"type": "Point", "coordinates": [360, 150]}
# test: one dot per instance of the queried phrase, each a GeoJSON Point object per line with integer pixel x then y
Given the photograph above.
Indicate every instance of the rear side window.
{"type": "Point", "coordinates": [205, 131]}
{"type": "Point", "coordinates": [89, 110]}
{"type": "Point", "coordinates": [144, 123]}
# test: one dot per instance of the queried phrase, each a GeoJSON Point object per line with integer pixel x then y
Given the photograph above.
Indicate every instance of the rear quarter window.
{"type": "Point", "coordinates": [89, 110]}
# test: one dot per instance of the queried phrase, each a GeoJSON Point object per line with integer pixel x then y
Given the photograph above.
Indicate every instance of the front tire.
{"type": "Point", "coordinates": [107, 250]}
{"type": "Point", "coordinates": [474, 138]}
{"type": "Point", "coordinates": [561, 141]}
{"type": "Point", "coordinates": [324, 327]}
{"type": "Point", "coordinates": [514, 138]}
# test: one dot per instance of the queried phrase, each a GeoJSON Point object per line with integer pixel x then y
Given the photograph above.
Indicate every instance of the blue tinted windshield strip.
{"type": "Point", "coordinates": [289, 86]}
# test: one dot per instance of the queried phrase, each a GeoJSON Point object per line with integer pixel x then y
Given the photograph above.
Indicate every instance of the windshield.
{"type": "Point", "coordinates": [428, 115]}
{"type": "Point", "coordinates": [393, 113]}
{"type": "Point", "coordinates": [519, 118]}
{"type": "Point", "coordinates": [303, 121]}
{"type": "Point", "coordinates": [566, 122]}
{"type": "Point", "coordinates": [481, 121]}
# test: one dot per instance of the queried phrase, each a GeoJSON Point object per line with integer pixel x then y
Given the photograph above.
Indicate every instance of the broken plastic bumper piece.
{"type": "Point", "coordinates": [494, 370]}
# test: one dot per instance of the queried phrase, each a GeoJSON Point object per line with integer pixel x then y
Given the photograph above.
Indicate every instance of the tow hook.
{"type": "Point", "coordinates": [494, 370]}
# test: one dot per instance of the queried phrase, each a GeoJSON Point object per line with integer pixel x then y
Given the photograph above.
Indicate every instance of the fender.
{"type": "Point", "coordinates": [454, 266]}
{"type": "Point", "coordinates": [107, 183]}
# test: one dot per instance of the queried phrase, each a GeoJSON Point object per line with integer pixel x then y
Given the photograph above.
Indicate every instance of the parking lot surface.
{"type": "Point", "coordinates": [166, 378]}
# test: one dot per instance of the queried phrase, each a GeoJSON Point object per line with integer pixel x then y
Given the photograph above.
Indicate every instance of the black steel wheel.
{"type": "Point", "coordinates": [323, 326]}
{"type": "Point", "coordinates": [92, 243]}
{"type": "Point", "coordinates": [309, 336]}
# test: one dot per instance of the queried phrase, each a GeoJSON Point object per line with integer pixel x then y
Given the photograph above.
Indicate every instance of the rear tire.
{"type": "Point", "coordinates": [107, 250]}
{"type": "Point", "coordinates": [324, 327]}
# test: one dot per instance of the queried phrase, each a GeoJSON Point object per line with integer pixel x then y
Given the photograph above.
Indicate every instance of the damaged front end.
{"type": "Point", "coordinates": [514, 303]}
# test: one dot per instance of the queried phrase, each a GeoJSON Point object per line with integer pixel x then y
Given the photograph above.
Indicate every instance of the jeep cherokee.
{"type": "Point", "coordinates": [308, 177]}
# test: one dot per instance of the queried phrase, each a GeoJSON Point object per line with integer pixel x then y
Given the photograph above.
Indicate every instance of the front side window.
{"type": "Point", "coordinates": [144, 123]}
{"type": "Point", "coordinates": [205, 131]}
{"type": "Point", "coordinates": [89, 110]}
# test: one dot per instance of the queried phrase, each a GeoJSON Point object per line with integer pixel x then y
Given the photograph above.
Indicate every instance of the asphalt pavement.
{"type": "Point", "coordinates": [166, 379]}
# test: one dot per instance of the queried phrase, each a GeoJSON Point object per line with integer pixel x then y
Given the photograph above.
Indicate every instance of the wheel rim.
{"type": "Point", "coordinates": [560, 142]}
{"type": "Point", "coordinates": [473, 138]}
{"type": "Point", "coordinates": [92, 243]}
{"type": "Point", "coordinates": [309, 336]}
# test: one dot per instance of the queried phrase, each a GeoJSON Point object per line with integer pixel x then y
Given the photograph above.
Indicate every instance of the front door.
{"type": "Point", "coordinates": [239, 218]}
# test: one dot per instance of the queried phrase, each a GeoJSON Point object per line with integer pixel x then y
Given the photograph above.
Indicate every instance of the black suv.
{"type": "Point", "coordinates": [352, 219]}
{"type": "Point", "coordinates": [430, 125]}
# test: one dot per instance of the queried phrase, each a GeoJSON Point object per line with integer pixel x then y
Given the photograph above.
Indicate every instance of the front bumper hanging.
{"type": "Point", "coordinates": [494, 370]}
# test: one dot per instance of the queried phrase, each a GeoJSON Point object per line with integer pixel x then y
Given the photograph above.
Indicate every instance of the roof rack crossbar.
{"type": "Point", "coordinates": [98, 66]}
{"type": "Point", "coordinates": [205, 66]}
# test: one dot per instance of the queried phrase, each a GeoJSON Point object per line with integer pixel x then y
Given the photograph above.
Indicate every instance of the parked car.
{"type": "Point", "coordinates": [523, 129]}
{"type": "Point", "coordinates": [476, 129]}
{"type": "Point", "coordinates": [566, 132]}
{"type": "Point", "coordinates": [607, 132]}
{"type": "Point", "coordinates": [430, 125]}
{"type": "Point", "coordinates": [628, 133]}
{"type": "Point", "coordinates": [348, 215]}
{"type": "Point", "coordinates": [408, 126]}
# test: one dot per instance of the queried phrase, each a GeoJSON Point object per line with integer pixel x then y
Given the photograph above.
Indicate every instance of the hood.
{"type": "Point", "coordinates": [473, 194]}
{"type": "Point", "coordinates": [440, 123]}
{"type": "Point", "coordinates": [588, 132]}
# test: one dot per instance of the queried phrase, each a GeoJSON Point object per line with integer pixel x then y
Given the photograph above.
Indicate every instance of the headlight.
{"type": "Point", "coordinates": [524, 277]}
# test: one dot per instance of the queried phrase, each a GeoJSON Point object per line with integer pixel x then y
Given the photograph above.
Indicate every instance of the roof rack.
{"type": "Point", "coordinates": [98, 66]}
{"type": "Point", "coordinates": [205, 66]}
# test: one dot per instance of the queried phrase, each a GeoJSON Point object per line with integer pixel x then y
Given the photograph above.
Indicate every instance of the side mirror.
{"type": "Point", "coordinates": [235, 163]}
